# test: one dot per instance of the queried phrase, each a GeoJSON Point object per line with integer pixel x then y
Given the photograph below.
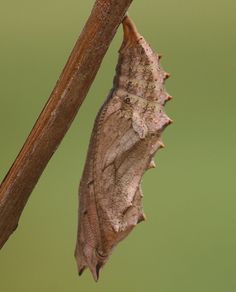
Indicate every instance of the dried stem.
{"type": "Point", "coordinates": [59, 112]}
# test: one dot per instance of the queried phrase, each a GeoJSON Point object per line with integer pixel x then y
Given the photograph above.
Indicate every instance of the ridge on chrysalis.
{"type": "Point", "coordinates": [126, 135]}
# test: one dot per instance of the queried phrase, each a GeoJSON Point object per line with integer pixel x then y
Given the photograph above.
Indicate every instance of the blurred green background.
{"type": "Point", "coordinates": [188, 242]}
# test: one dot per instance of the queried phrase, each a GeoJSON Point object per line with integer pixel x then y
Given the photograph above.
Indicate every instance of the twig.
{"type": "Point", "coordinates": [59, 112]}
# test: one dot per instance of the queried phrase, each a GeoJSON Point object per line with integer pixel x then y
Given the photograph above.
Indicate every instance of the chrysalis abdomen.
{"type": "Point", "coordinates": [126, 135]}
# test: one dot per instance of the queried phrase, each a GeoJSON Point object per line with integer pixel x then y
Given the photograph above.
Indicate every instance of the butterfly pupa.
{"type": "Point", "coordinates": [126, 135]}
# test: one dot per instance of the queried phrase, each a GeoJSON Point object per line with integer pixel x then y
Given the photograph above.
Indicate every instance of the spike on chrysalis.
{"type": "Point", "coordinates": [152, 164]}
{"type": "Point", "coordinates": [166, 75]}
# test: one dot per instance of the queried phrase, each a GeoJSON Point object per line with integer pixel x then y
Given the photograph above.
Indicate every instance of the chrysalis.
{"type": "Point", "coordinates": [125, 137]}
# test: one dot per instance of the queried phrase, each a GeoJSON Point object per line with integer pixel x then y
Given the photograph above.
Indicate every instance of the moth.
{"type": "Point", "coordinates": [125, 137]}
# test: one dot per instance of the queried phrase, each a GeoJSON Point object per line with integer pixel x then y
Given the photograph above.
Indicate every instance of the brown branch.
{"type": "Point", "coordinates": [59, 112]}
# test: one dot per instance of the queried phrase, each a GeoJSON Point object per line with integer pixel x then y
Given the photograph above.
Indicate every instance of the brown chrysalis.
{"type": "Point", "coordinates": [125, 137]}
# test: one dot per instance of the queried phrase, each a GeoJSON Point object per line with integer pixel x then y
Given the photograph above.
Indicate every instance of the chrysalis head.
{"type": "Point", "coordinates": [138, 71]}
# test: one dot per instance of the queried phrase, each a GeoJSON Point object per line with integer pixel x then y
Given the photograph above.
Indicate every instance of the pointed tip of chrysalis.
{"type": "Point", "coordinates": [95, 271]}
{"type": "Point", "coordinates": [81, 270]}
{"type": "Point", "coordinates": [131, 34]}
{"type": "Point", "coordinates": [98, 267]}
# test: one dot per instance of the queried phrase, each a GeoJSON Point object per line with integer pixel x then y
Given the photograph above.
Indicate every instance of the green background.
{"type": "Point", "coordinates": [188, 242]}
